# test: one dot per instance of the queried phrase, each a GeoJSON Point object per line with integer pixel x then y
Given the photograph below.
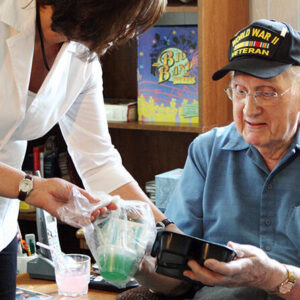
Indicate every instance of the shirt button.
{"type": "Point", "coordinates": [268, 222]}
{"type": "Point", "coordinates": [267, 248]}
{"type": "Point", "coordinates": [270, 186]}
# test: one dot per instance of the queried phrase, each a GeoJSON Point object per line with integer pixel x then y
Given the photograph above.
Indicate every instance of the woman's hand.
{"type": "Point", "coordinates": [52, 193]}
{"type": "Point", "coordinates": [252, 267]}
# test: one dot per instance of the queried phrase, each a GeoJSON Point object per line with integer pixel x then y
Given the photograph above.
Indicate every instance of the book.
{"type": "Point", "coordinates": [26, 208]}
{"type": "Point", "coordinates": [27, 166]}
{"type": "Point", "coordinates": [120, 110]}
{"type": "Point", "coordinates": [63, 163]}
{"type": "Point", "coordinates": [165, 184]}
{"type": "Point", "coordinates": [51, 168]}
{"type": "Point", "coordinates": [67, 169]}
{"type": "Point", "coordinates": [168, 75]}
{"type": "Point", "coordinates": [36, 157]}
{"type": "Point", "coordinates": [150, 190]}
{"type": "Point", "coordinates": [42, 163]}
{"type": "Point", "coordinates": [30, 295]}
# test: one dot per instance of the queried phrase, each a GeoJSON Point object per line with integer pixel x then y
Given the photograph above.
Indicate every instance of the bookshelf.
{"type": "Point", "coordinates": [154, 127]}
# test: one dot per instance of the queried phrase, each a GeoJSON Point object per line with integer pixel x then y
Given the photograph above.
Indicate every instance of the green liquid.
{"type": "Point", "coordinates": [116, 267]}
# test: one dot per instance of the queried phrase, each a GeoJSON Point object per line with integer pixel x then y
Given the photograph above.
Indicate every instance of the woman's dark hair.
{"type": "Point", "coordinates": [99, 23]}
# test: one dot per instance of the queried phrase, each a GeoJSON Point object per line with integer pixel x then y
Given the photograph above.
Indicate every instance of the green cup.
{"type": "Point", "coordinates": [117, 263]}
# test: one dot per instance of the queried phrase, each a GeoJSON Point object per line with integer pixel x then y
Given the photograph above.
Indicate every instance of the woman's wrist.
{"type": "Point", "coordinates": [34, 198]}
{"type": "Point", "coordinates": [163, 224]}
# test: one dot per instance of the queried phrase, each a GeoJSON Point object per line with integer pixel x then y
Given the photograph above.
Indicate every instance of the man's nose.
{"type": "Point", "coordinates": [251, 106]}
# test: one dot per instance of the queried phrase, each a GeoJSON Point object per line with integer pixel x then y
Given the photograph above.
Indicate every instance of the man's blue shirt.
{"type": "Point", "coordinates": [227, 193]}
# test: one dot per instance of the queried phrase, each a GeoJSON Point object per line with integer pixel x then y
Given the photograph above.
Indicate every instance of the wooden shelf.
{"type": "Point", "coordinates": [31, 216]}
{"type": "Point", "coordinates": [177, 7]}
{"type": "Point", "coordinates": [154, 127]}
{"type": "Point", "coordinates": [27, 216]}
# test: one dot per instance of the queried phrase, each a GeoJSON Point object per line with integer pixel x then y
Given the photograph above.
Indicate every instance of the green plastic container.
{"type": "Point", "coordinates": [116, 263]}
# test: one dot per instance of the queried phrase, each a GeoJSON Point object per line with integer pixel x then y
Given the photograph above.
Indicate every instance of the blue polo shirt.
{"type": "Point", "coordinates": [227, 193]}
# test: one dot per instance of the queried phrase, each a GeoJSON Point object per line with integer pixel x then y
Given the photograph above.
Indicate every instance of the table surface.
{"type": "Point", "coordinates": [50, 288]}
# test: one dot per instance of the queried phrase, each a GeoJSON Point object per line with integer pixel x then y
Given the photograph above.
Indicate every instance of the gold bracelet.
{"type": "Point", "coordinates": [287, 285]}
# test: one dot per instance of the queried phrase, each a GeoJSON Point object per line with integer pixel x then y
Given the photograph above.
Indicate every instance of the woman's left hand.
{"type": "Point", "coordinates": [253, 267]}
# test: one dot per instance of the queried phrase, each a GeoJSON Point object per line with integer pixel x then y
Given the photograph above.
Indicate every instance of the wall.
{"type": "Point", "coordinates": [281, 10]}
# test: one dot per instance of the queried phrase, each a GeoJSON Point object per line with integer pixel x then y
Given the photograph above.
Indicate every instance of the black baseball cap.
{"type": "Point", "coordinates": [264, 49]}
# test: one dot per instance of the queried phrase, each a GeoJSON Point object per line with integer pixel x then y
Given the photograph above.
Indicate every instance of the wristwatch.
{"type": "Point", "coordinates": [25, 187]}
{"type": "Point", "coordinates": [164, 223]}
{"type": "Point", "coordinates": [286, 286]}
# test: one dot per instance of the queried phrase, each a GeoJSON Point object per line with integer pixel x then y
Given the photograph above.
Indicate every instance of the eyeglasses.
{"type": "Point", "coordinates": [261, 97]}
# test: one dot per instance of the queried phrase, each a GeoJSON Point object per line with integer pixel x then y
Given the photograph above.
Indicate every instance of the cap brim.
{"type": "Point", "coordinates": [261, 68]}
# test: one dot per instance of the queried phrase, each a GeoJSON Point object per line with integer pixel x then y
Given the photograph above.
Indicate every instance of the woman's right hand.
{"type": "Point", "coordinates": [52, 193]}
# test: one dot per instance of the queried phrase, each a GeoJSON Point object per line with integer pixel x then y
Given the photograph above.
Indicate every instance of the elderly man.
{"type": "Point", "coordinates": [241, 183]}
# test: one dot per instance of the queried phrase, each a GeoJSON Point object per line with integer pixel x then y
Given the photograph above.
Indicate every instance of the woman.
{"type": "Point", "coordinates": [50, 73]}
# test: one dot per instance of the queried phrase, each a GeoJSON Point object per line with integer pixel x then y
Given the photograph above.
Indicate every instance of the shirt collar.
{"type": "Point", "coordinates": [236, 142]}
{"type": "Point", "coordinates": [296, 141]}
{"type": "Point", "coordinates": [17, 14]}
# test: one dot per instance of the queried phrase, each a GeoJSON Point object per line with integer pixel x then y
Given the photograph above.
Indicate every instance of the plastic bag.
{"type": "Point", "coordinates": [78, 210]}
{"type": "Point", "coordinates": [117, 240]}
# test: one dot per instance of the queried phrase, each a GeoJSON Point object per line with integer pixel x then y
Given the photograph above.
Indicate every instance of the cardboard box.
{"type": "Point", "coordinates": [168, 75]}
{"type": "Point", "coordinates": [165, 184]}
{"type": "Point", "coordinates": [118, 110]}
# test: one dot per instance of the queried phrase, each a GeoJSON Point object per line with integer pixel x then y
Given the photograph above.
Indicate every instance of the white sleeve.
{"type": "Point", "coordinates": [84, 128]}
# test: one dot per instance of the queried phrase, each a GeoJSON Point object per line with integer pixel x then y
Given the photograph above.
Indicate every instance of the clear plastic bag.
{"type": "Point", "coordinates": [119, 239]}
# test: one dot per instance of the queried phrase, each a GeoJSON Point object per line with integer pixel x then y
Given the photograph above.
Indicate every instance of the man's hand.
{"type": "Point", "coordinates": [146, 276]}
{"type": "Point", "coordinates": [252, 267]}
